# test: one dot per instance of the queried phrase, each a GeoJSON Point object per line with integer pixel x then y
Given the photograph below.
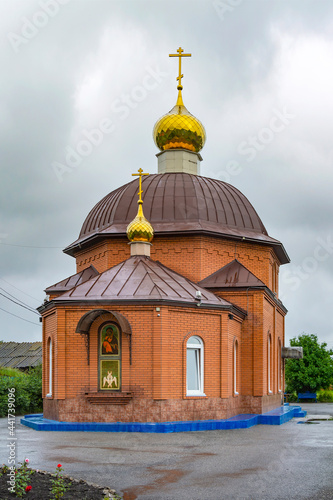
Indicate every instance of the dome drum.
{"type": "Point", "coordinates": [178, 160]}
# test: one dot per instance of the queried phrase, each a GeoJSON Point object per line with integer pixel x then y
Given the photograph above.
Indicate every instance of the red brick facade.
{"type": "Point", "coordinates": [153, 386]}
{"type": "Point", "coordinates": [192, 256]}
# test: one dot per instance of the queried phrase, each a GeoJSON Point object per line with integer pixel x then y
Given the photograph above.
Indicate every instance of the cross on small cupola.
{"type": "Point", "coordinates": [140, 174]}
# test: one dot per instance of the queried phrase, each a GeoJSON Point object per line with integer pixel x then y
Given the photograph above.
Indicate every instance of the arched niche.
{"type": "Point", "coordinates": [84, 325]}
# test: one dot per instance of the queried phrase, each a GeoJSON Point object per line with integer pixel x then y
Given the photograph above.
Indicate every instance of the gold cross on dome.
{"type": "Point", "coordinates": [180, 55]}
{"type": "Point", "coordinates": [140, 174]}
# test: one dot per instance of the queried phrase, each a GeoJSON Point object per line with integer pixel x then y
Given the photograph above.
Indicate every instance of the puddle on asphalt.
{"type": "Point", "coordinates": [167, 477]}
{"type": "Point", "coordinates": [329, 419]}
{"type": "Point", "coordinates": [308, 422]}
{"type": "Point", "coordinates": [316, 420]}
{"type": "Point", "coordinates": [71, 460]}
{"type": "Point", "coordinates": [173, 476]}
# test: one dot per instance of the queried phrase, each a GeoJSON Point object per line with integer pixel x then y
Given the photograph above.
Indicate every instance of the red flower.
{"type": "Point", "coordinates": [59, 465]}
{"type": "Point", "coordinates": [28, 488]}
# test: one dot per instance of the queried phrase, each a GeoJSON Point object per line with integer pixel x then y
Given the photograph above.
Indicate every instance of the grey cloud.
{"type": "Point", "coordinates": [231, 84]}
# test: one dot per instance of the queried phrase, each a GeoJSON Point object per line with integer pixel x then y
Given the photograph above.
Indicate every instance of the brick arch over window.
{"type": "Point", "coordinates": [84, 324]}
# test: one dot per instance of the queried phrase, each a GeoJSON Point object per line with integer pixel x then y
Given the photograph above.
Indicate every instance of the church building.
{"type": "Point", "coordinates": [173, 313]}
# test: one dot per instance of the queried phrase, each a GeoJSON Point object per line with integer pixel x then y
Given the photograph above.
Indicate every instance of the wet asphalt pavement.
{"type": "Point", "coordinates": [291, 461]}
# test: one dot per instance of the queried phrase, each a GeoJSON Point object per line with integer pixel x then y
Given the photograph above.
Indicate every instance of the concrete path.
{"type": "Point", "coordinates": [291, 461]}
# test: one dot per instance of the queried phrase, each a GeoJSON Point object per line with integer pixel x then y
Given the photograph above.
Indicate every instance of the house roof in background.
{"type": "Point", "coordinates": [20, 354]}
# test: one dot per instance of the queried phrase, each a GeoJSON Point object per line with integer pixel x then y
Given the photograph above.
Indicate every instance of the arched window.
{"type": "Point", "coordinates": [279, 365]}
{"type": "Point", "coordinates": [109, 355]}
{"type": "Point", "coordinates": [194, 367]}
{"type": "Point", "coordinates": [269, 363]}
{"type": "Point", "coordinates": [235, 367]}
{"type": "Point", "coordinates": [275, 278]}
{"type": "Point", "coordinates": [49, 361]}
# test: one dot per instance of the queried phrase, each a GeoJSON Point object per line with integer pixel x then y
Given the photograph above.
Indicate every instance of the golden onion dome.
{"type": "Point", "coordinates": [179, 129]}
{"type": "Point", "coordinates": [140, 229]}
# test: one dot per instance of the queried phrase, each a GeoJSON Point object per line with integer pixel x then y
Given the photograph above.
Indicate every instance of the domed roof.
{"type": "Point", "coordinates": [179, 129]}
{"type": "Point", "coordinates": [178, 203]}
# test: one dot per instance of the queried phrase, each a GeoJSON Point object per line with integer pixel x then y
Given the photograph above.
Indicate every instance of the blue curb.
{"type": "Point", "coordinates": [277, 416]}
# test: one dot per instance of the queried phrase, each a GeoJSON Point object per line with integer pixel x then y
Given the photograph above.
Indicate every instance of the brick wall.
{"type": "Point", "coordinates": [157, 376]}
{"type": "Point", "coordinates": [263, 316]}
{"type": "Point", "coordinates": [146, 410]}
{"type": "Point", "coordinates": [195, 257]}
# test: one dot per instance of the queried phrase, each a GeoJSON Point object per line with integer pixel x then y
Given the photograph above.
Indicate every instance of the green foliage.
{"type": "Point", "coordinates": [58, 484]}
{"type": "Point", "coordinates": [325, 396]}
{"type": "Point", "coordinates": [4, 469]}
{"type": "Point", "coordinates": [35, 389]}
{"type": "Point", "coordinates": [314, 371]}
{"type": "Point", "coordinates": [22, 478]}
{"type": "Point", "coordinates": [28, 390]}
{"type": "Point", "coordinates": [11, 372]}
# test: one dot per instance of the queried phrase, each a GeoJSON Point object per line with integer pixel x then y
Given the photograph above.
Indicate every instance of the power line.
{"type": "Point", "coordinates": [37, 300]}
{"type": "Point", "coordinates": [19, 317]}
{"type": "Point", "coordinates": [13, 296]}
{"type": "Point", "coordinates": [15, 302]}
{"type": "Point", "coordinates": [24, 246]}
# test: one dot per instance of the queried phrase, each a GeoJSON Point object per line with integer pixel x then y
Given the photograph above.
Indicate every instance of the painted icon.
{"type": "Point", "coordinates": [109, 374]}
{"type": "Point", "coordinates": [110, 340]}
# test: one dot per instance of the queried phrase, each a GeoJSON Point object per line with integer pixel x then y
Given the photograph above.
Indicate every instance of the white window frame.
{"type": "Point", "coordinates": [269, 351]}
{"type": "Point", "coordinates": [200, 366]}
{"type": "Point", "coordinates": [49, 394]}
{"type": "Point", "coordinates": [235, 367]}
{"type": "Point", "coordinates": [279, 366]}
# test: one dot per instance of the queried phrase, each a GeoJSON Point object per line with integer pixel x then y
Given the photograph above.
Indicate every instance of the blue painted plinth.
{"type": "Point", "coordinates": [275, 417]}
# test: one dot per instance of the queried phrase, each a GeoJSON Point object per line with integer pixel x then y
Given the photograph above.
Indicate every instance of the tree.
{"type": "Point", "coordinates": [314, 371]}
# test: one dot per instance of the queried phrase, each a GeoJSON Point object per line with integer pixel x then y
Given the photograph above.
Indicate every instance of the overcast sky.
{"type": "Point", "coordinates": [260, 79]}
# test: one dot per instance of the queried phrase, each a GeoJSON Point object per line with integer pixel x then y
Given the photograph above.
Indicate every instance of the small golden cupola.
{"type": "Point", "coordinates": [140, 232]}
{"type": "Point", "coordinates": [179, 130]}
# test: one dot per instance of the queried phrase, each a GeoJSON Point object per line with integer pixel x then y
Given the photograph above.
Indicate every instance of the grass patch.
{"type": "Point", "coordinates": [325, 396]}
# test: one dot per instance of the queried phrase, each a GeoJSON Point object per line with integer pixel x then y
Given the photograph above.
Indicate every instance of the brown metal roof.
{"type": "Point", "coordinates": [141, 279]}
{"type": "Point", "coordinates": [233, 275]}
{"type": "Point", "coordinates": [178, 203]}
{"type": "Point", "coordinates": [74, 280]}
{"type": "Point", "coordinates": [20, 354]}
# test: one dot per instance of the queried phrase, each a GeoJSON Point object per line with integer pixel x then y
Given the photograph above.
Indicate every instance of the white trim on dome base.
{"type": "Point", "coordinates": [179, 160]}
{"type": "Point", "coordinates": [140, 248]}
